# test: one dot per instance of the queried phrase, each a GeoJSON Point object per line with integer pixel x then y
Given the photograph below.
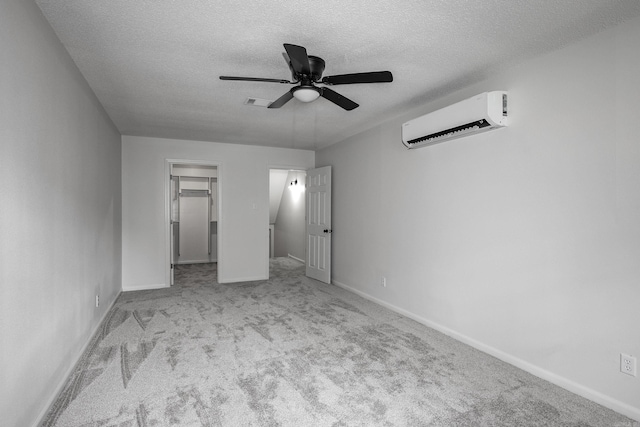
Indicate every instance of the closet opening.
{"type": "Point", "coordinates": [193, 220]}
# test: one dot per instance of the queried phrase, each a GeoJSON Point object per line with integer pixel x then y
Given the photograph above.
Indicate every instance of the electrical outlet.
{"type": "Point", "coordinates": [628, 364]}
{"type": "Point", "coordinates": [383, 282]}
{"type": "Point", "coordinates": [97, 300]}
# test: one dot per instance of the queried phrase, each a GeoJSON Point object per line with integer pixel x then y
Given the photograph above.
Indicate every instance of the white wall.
{"type": "Point", "coordinates": [290, 227]}
{"type": "Point", "coordinates": [525, 241]}
{"type": "Point", "coordinates": [59, 216]}
{"type": "Point", "coordinates": [243, 180]}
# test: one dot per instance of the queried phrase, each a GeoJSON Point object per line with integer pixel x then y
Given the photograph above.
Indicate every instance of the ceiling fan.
{"type": "Point", "coordinates": [306, 72]}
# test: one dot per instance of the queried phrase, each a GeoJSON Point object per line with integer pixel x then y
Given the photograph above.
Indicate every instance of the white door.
{"type": "Point", "coordinates": [319, 224]}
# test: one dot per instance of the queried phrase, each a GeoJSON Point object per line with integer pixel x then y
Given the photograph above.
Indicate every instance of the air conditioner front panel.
{"type": "Point", "coordinates": [477, 114]}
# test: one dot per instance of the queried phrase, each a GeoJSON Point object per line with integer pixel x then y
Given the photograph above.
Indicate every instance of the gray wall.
{"type": "Point", "coordinates": [290, 234]}
{"type": "Point", "coordinates": [60, 216]}
{"type": "Point", "coordinates": [525, 241]}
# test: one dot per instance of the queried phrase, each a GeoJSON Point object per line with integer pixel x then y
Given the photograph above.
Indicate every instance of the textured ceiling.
{"type": "Point", "coordinates": [154, 64]}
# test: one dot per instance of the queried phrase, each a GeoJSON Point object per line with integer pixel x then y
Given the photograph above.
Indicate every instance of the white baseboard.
{"type": "Point", "coordinates": [572, 386]}
{"type": "Point", "coordinates": [296, 258]}
{"type": "Point", "coordinates": [143, 287]}
{"type": "Point", "coordinates": [67, 374]}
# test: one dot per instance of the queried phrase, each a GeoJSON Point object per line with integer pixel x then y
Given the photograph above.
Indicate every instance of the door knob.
{"type": "Point", "coordinates": [326, 230]}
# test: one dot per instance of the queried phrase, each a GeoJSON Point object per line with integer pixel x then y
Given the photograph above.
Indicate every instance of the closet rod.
{"type": "Point", "coordinates": [187, 192]}
{"type": "Point", "coordinates": [192, 176]}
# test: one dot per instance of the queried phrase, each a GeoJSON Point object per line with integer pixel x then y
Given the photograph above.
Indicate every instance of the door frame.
{"type": "Point", "coordinates": [167, 211]}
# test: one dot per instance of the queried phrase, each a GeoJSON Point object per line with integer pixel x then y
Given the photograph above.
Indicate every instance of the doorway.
{"type": "Point", "coordinates": [287, 213]}
{"type": "Point", "coordinates": [193, 218]}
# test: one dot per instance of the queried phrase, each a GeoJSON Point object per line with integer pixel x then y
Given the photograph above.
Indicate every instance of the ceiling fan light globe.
{"type": "Point", "coordinates": [306, 94]}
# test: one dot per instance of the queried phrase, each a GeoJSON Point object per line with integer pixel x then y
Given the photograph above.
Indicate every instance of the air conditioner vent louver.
{"type": "Point", "coordinates": [458, 131]}
{"type": "Point", "coordinates": [480, 113]}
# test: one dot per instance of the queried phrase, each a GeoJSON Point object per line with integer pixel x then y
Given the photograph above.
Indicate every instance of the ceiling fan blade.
{"type": "Point", "coordinates": [288, 61]}
{"type": "Point", "coordinates": [338, 99]}
{"type": "Point", "coordinates": [282, 100]}
{"type": "Point", "coordinates": [371, 77]}
{"type": "Point", "coordinates": [254, 79]}
{"type": "Point", "coordinates": [298, 57]}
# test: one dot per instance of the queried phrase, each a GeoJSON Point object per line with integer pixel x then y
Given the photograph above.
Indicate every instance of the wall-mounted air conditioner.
{"type": "Point", "coordinates": [480, 113]}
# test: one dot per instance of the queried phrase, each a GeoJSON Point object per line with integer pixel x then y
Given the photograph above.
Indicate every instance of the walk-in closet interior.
{"type": "Point", "coordinates": [194, 213]}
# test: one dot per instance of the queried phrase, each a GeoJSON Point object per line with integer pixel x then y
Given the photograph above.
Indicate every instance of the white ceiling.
{"type": "Point", "coordinates": [154, 64]}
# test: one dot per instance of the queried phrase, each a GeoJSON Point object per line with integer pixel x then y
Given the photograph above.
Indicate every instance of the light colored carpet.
{"type": "Point", "coordinates": [291, 351]}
